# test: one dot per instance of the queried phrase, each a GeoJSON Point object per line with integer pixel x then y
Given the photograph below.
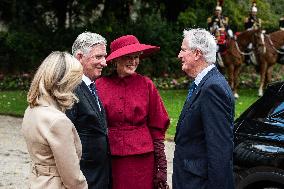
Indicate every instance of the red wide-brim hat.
{"type": "Point", "coordinates": [129, 44]}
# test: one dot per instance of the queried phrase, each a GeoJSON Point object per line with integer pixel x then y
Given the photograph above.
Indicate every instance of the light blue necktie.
{"type": "Point", "coordinates": [94, 93]}
{"type": "Point", "coordinates": [190, 90]}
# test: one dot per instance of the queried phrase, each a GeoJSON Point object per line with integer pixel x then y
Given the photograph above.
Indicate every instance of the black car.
{"type": "Point", "coordinates": [259, 142]}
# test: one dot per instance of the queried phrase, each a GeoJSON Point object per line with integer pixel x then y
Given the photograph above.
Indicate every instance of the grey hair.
{"type": "Point", "coordinates": [202, 40]}
{"type": "Point", "coordinates": [85, 41]}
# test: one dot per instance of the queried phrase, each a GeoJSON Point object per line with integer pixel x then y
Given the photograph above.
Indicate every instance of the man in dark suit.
{"type": "Point", "coordinates": [88, 114]}
{"type": "Point", "coordinates": [204, 135]}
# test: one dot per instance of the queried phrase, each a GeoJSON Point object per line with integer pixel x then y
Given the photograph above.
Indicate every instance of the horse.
{"type": "Point", "coordinates": [233, 57]}
{"type": "Point", "coordinates": [267, 54]}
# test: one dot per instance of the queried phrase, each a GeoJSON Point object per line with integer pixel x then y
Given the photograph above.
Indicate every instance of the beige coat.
{"type": "Point", "coordinates": [54, 147]}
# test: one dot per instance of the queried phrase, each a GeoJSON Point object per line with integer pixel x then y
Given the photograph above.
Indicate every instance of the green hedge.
{"type": "Point", "coordinates": [23, 50]}
{"type": "Point", "coordinates": [248, 79]}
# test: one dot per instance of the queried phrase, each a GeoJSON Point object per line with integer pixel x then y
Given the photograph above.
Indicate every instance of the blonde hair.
{"type": "Point", "coordinates": [56, 78]}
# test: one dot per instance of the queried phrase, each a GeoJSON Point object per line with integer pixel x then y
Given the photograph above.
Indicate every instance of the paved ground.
{"type": "Point", "coordinates": [14, 159]}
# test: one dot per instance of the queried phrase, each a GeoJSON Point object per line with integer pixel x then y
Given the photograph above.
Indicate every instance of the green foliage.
{"type": "Point", "coordinates": [152, 29]}
{"type": "Point", "coordinates": [149, 29]}
{"type": "Point", "coordinates": [188, 18]}
{"type": "Point", "coordinates": [23, 51]}
{"type": "Point", "coordinates": [250, 78]}
{"type": "Point", "coordinates": [269, 18]}
{"type": "Point", "coordinates": [13, 103]}
{"type": "Point", "coordinates": [15, 82]}
{"type": "Point", "coordinates": [171, 83]}
{"type": "Point", "coordinates": [276, 6]}
{"type": "Point", "coordinates": [35, 28]}
{"type": "Point", "coordinates": [196, 14]}
{"type": "Point", "coordinates": [236, 10]}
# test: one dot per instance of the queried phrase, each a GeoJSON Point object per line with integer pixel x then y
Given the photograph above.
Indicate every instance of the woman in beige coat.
{"type": "Point", "coordinates": [52, 140]}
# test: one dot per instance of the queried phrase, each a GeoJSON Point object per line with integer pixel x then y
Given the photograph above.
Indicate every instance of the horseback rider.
{"type": "Point", "coordinates": [218, 25]}
{"type": "Point", "coordinates": [252, 22]}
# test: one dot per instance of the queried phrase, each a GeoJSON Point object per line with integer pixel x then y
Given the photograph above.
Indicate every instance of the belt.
{"type": "Point", "coordinates": [45, 170]}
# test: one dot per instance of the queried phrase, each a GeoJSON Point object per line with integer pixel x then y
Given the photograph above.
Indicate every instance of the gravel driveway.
{"type": "Point", "coordinates": [15, 161]}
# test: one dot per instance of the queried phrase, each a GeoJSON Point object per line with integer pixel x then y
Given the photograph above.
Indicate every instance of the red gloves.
{"type": "Point", "coordinates": [160, 178]}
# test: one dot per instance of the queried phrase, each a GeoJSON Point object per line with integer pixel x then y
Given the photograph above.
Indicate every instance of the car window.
{"type": "Point", "coordinates": [262, 108]}
{"type": "Point", "coordinates": [278, 113]}
{"type": "Point", "coordinates": [267, 108]}
{"type": "Point", "coordinates": [279, 108]}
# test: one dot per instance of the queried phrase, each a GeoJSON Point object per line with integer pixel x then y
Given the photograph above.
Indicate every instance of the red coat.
{"type": "Point", "coordinates": [135, 113]}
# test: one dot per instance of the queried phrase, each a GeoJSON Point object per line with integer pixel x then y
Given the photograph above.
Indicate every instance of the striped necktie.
{"type": "Point", "coordinates": [94, 93]}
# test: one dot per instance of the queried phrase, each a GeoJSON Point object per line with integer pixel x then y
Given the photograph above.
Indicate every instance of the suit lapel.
{"type": "Point", "coordinates": [86, 91]}
{"type": "Point", "coordinates": [195, 94]}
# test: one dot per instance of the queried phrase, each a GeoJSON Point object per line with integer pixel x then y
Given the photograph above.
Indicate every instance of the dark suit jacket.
{"type": "Point", "coordinates": [92, 129]}
{"type": "Point", "coordinates": [204, 137]}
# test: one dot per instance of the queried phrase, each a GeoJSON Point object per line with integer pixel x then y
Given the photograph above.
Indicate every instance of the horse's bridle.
{"type": "Point", "coordinates": [262, 36]}
{"type": "Point", "coordinates": [272, 45]}
{"type": "Point", "coordinates": [239, 50]}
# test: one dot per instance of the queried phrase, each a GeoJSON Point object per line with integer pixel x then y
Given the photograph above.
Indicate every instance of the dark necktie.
{"type": "Point", "coordinates": [190, 90]}
{"type": "Point", "coordinates": [94, 93]}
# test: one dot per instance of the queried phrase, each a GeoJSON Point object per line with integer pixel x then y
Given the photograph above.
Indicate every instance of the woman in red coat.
{"type": "Point", "coordinates": [137, 119]}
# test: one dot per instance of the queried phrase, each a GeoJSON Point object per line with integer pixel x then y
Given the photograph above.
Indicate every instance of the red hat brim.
{"type": "Point", "coordinates": [129, 49]}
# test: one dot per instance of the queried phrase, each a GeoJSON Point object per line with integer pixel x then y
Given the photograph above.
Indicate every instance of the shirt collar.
{"type": "Point", "coordinates": [200, 76]}
{"type": "Point", "coordinates": [86, 80]}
